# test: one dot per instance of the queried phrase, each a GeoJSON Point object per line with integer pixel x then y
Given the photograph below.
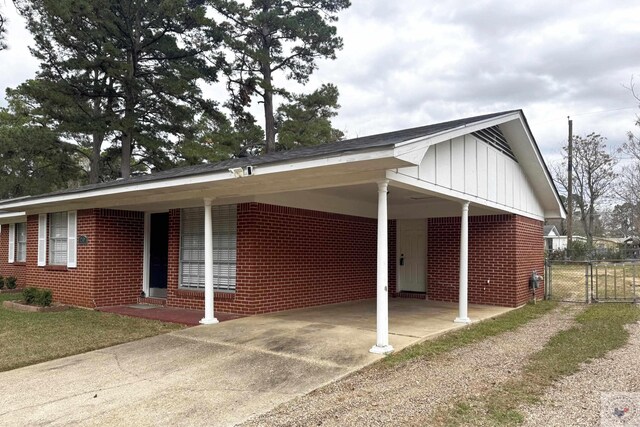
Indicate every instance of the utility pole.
{"type": "Point", "coordinates": [570, 185]}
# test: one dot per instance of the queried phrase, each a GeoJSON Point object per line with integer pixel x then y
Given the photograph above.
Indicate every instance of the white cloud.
{"type": "Point", "coordinates": [412, 63]}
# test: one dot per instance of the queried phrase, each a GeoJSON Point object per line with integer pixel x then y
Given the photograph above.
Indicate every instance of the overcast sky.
{"type": "Point", "coordinates": [414, 62]}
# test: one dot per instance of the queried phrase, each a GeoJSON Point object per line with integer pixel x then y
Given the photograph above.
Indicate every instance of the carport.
{"type": "Point", "coordinates": [450, 212]}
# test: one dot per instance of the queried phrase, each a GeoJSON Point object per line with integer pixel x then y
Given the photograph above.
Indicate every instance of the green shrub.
{"type": "Point", "coordinates": [35, 296]}
{"type": "Point", "coordinates": [29, 295]}
{"type": "Point", "coordinates": [44, 297]}
{"type": "Point", "coordinates": [1, 282]}
{"type": "Point", "coordinates": [11, 282]}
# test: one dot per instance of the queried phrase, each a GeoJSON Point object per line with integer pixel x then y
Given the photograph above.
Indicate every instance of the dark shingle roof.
{"type": "Point", "coordinates": [324, 150]}
{"type": "Point", "coordinates": [548, 228]}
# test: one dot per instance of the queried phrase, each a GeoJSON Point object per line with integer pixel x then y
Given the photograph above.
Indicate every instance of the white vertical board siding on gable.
{"type": "Point", "coordinates": [510, 166]}
{"type": "Point", "coordinates": [492, 175]}
{"type": "Point", "coordinates": [427, 170]}
{"type": "Point", "coordinates": [482, 151]}
{"type": "Point", "coordinates": [472, 167]}
{"type": "Point", "coordinates": [501, 180]}
{"type": "Point", "coordinates": [443, 164]}
{"type": "Point", "coordinates": [458, 170]}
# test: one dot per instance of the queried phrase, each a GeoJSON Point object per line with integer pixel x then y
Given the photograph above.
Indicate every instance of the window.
{"type": "Point", "coordinates": [21, 242]}
{"type": "Point", "coordinates": [224, 224]}
{"type": "Point", "coordinates": [58, 238]}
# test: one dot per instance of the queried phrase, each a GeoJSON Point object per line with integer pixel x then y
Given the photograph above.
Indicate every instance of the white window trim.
{"type": "Point", "coordinates": [18, 242]}
{"type": "Point", "coordinates": [71, 240]}
{"type": "Point", "coordinates": [42, 240]}
{"type": "Point", "coordinates": [12, 243]}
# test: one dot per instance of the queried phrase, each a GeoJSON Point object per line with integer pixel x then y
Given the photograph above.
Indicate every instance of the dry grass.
{"type": "Point", "coordinates": [600, 329]}
{"type": "Point", "coordinates": [29, 338]}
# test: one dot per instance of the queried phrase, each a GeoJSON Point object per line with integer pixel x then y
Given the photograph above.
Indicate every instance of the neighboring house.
{"type": "Point", "coordinates": [451, 212]}
{"type": "Point", "coordinates": [553, 240]}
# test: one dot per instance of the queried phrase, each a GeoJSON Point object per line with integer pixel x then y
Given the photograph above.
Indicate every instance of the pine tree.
{"type": "Point", "coordinates": [124, 73]}
{"type": "Point", "coordinates": [270, 37]}
{"type": "Point", "coordinates": [307, 120]}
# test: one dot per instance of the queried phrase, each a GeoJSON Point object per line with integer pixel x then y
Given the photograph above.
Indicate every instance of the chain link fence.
{"type": "Point", "coordinates": [593, 281]}
{"type": "Point", "coordinates": [568, 280]}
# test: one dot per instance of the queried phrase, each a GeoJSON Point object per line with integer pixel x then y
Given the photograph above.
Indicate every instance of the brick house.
{"type": "Point", "coordinates": [449, 212]}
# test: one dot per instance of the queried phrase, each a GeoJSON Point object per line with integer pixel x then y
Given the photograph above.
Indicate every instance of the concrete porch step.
{"type": "Point", "coordinates": [151, 300]}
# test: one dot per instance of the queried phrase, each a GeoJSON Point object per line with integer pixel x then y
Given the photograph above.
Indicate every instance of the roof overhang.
{"type": "Point", "coordinates": [531, 161]}
{"type": "Point", "coordinates": [346, 168]}
{"type": "Point", "coordinates": [12, 217]}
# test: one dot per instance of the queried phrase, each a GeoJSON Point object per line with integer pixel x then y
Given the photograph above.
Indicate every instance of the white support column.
{"type": "Point", "coordinates": [208, 319]}
{"type": "Point", "coordinates": [382, 304]}
{"type": "Point", "coordinates": [463, 316]}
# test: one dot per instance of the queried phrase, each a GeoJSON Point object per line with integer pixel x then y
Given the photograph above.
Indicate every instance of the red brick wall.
{"type": "Point", "coordinates": [16, 269]}
{"type": "Point", "coordinates": [69, 286]}
{"type": "Point", "coordinates": [289, 258]}
{"type": "Point", "coordinates": [109, 268]}
{"type": "Point", "coordinates": [503, 249]}
{"type": "Point", "coordinates": [119, 241]}
{"type": "Point", "coordinates": [530, 256]}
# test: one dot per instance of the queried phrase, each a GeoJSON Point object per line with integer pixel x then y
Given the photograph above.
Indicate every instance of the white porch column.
{"type": "Point", "coordinates": [463, 317]}
{"type": "Point", "coordinates": [382, 304]}
{"type": "Point", "coordinates": [208, 319]}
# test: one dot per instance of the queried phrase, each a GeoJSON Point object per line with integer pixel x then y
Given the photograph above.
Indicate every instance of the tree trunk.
{"type": "Point", "coordinates": [269, 121]}
{"type": "Point", "coordinates": [125, 166]}
{"type": "Point", "coordinates": [96, 149]}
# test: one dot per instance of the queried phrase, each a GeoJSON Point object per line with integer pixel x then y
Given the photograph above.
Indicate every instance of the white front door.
{"type": "Point", "coordinates": [411, 255]}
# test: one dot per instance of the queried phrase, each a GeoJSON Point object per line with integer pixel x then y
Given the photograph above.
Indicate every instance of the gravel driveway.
{"type": "Point", "coordinates": [409, 394]}
{"type": "Point", "coordinates": [575, 400]}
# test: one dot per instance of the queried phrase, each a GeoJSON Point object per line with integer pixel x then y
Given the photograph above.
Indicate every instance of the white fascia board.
{"type": "Point", "coordinates": [12, 217]}
{"type": "Point", "coordinates": [542, 170]}
{"type": "Point", "coordinates": [409, 182]}
{"type": "Point", "coordinates": [448, 134]}
{"type": "Point", "coordinates": [414, 150]}
{"type": "Point", "coordinates": [172, 183]}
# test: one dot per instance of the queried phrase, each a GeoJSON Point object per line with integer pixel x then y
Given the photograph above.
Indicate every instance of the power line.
{"type": "Point", "coordinates": [591, 112]}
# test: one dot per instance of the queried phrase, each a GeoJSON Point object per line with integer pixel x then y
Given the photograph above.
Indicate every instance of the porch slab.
{"type": "Point", "coordinates": [413, 318]}
{"type": "Point", "coordinates": [221, 374]}
{"type": "Point", "coordinates": [165, 314]}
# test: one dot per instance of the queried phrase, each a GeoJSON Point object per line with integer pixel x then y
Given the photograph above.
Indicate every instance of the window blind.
{"type": "Point", "coordinates": [58, 238]}
{"type": "Point", "coordinates": [21, 242]}
{"type": "Point", "coordinates": [224, 223]}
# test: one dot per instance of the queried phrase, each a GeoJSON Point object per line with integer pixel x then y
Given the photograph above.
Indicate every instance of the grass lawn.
{"type": "Point", "coordinates": [29, 338]}
{"type": "Point", "coordinates": [600, 329]}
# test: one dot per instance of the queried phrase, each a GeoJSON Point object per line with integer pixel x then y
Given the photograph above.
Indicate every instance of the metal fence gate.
{"type": "Point", "coordinates": [596, 281]}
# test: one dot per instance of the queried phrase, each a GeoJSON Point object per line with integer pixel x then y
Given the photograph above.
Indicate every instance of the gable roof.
{"type": "Point", "coordinates": [549, 228]}
{"type": "Point", "coordinates": [323, 150]}
{"type": "Point", "coordinates": [301, 167]}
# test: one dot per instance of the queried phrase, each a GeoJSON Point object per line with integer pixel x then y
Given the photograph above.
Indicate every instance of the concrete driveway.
{"type": "Point", "coordinates": [219, 374]}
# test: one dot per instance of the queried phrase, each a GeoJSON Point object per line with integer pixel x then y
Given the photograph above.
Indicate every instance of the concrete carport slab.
{"type": "Point", "coordinates": [215, 375]}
